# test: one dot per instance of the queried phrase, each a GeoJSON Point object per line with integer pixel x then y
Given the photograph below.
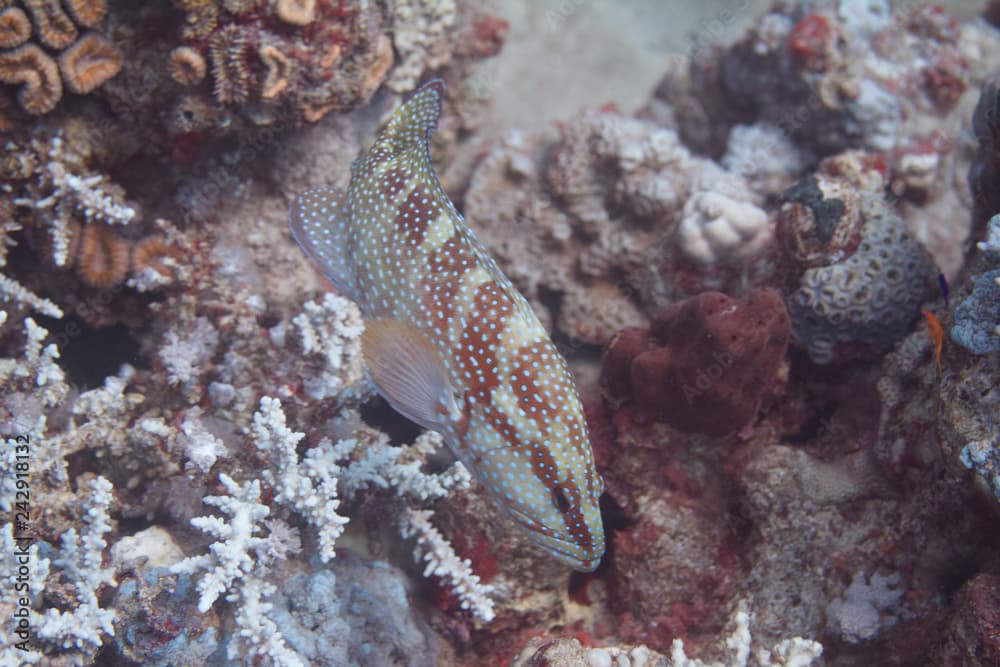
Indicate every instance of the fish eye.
{"type": "Point", "coordinates": [561, 499]}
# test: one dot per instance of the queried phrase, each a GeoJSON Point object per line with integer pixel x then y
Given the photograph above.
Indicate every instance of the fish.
{"type": "Point", "coordinates": [936, 334]}
{"type": "Point", "coordinates": [449, 341]}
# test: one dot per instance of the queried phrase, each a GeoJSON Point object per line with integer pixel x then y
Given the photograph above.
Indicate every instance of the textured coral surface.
{"type": "Point", "coordinates": [775, 284]}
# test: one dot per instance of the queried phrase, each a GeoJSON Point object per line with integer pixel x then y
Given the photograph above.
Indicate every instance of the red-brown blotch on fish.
{"type": "Point", "coordinates": [449, 341]}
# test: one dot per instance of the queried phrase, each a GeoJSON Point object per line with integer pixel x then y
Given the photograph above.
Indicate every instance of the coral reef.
{"type": "Point", "coordinates": [85, 61]}
{"type": "Point", "coordinates": [831, 75]}
{"type": "Point", "coordinates": [568, 652]}
{"type": "Point", "coordinates": [307, 59]}
{"type": "Point", "coordinates": [873, 296]}
{"type": "Point", "coordinates": [977, 317]}
{"type": "Point", "coordinates": [619, 210]}
{"type": "Point", "coordinates": [213, 480]}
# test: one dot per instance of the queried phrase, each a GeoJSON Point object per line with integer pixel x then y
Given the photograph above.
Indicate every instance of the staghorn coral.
{"type": "Point", "coordinates": [12, 291]}
{"type": "Point", "coordinates": [442, 562]}
{"type": "Point", "coordinates": [58, 188]}
{"type": "Point", "coordinates": [244, 560]}
{"type": "Point", "coordinates": [32, 384]}
{"type": "Point", "coordinates": [309, 486]}
{"type": "Point", "coordinates": [73, 634]}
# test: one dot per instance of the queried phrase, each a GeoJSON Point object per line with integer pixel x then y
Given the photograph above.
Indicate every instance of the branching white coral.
{"type": "Point", "coordinates": [398, 468]}
{"type": "Point", "coordinates": [80, 561]}
{"type": "Point", "coordinates": [330, 330]}
{"type": "Point", "coordinates": [37, 365]}
{"type": "Point", "coordinates": [30, 385]}
{"type": "Point", "coordinates": [443, 562]}
{"type": "Point", "coordinates": [64, 189]}
{"type": "Point", "coordinates": [13, 291]}
{"type": "Point", "coordinates": [228, 559]}
{"type": "Point", "coordinates": [105, 418]}
{"type": "Point", "coordinates": [184, 352]}
{"type": "Point", "coordinates": [19, 568]}
{"type": "Point", "coordinates": [256, 631]}
{"type": "Point", "coordinates": [71, 189]}
{"type": "Point", "coordinates": [201, 446]}
{"type": "Point", "coordinates": [308, 487]}
{"type": "Point", "coordinates": [10, 289]}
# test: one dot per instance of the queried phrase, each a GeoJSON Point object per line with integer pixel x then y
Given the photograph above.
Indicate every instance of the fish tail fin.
{"type": "Point", "coordinates": [414, 122]}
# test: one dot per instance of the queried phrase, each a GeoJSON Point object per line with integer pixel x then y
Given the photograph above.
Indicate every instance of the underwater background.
{"type": "Point", "coordinates": [765, 237]}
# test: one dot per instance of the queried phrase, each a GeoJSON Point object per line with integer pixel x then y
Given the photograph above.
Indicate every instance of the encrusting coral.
{"type": "Point", "coordinates": [977, 317]}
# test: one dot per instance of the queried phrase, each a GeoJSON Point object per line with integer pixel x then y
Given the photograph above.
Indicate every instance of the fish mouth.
{"type": "Point", "coordinates": [566, 551]}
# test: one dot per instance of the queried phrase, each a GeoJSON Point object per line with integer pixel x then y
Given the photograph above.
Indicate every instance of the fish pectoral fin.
{"type": "Point", "coordinates": [408, 372]}
{"type": "Point", "coordinates": [318, 220]}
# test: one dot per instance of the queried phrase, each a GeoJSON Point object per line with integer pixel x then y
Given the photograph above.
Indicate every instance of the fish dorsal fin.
{"type": "Point", "coordinates": [414, 122]}
{"type": "Point", "coordinates": [408, 372]}
{"type": "Point", "coordinates": [319, 223]}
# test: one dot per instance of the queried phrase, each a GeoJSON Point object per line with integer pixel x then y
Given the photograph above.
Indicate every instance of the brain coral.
{"type": "Point", "coordinates": [85, 63]}
{"type": "Point", "coordinates": [873, 296]}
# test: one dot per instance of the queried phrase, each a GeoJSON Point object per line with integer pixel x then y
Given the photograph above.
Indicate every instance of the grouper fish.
{"type": "Point", "coordinates": [449, 342]}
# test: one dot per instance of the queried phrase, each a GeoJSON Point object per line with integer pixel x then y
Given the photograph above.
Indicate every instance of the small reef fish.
{"type": "Point", "coordinates": [936, 333]}
{"type": "Point", "coordinates": [449, 341]}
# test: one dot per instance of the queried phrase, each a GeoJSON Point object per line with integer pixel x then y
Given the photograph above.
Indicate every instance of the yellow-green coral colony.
{"type": "Point", "coordinates": [450, 342]}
